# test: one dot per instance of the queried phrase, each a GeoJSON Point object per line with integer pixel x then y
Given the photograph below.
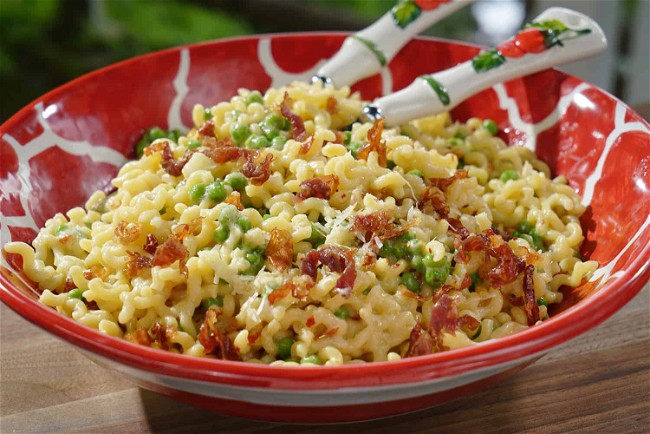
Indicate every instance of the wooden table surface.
{"type": "Point", "coordinates": [599, 382]}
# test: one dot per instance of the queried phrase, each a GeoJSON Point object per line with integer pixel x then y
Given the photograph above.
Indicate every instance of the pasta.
{"type": "Point", "coordinates": [273, 233]}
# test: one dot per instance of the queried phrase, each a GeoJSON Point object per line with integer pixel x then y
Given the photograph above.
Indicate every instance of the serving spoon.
{"type": "Point", "coordinates": [375, 46]}
{"type": "Point", "coordinates": [556, 36]}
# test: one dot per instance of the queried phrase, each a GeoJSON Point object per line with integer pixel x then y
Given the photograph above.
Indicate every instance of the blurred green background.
{"type": "Point", "coordinates": [45, 43]}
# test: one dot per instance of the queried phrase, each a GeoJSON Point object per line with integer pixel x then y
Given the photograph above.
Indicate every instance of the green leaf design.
{"type": "Point", "coordinates": [438, 88]}
{"type": "Point", "coordinates": [487, 60]}
{"type": "Point", "coordinates": [405, 12]}
{"type": "Point", "coordinates": [381, 57]}
{"type": "Point", "coordinates": [555, 26]}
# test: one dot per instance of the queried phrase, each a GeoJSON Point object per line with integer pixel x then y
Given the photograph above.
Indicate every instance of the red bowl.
{"type": "Point", "coordinates": [59, 149]}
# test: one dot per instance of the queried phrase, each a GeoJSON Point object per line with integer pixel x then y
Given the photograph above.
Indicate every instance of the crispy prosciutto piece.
{"type": "Point", "coordinates": [435, 199]}
{"type": "Point", "coordinates": [332, 105]}
{"type": "Point", "coordinates": [336, 259]}
{"type": "Point", "coordinates": [151, 244]}
{"type": "Point", "coordinates": [169, 252]}
{"type": "Point", "coordinates": [375, 143]}
{"type": "Point", "coordinates": [280, 292]}
{"type": "Point", "coordinates": [379, 224]}
{"type": "Point", "coordinates": [224, 151]}
{"type": "Point", "coordinates": [258, 173]}
{"type": "Point", "coordinates": [171, 166]}
{"type": "Point", "coordinates": [127, 232]}
{"type": "Point", "coordinates": [420, 342]}
{"type": "Point", "coordinates": [507, 268]}
{"type": "Point", "coordinates": [207, 129]}
{"type": "Point", "coordinates": [181, 231]}
{"type": "Point", "coordinates": [95, 271]}
{"type": "Point", "coordinates": [443, 183]}
{"type": "Point", "coordinates": [530, 303]}
{"type": "Point", "coordinates": [234, 199]}
{"type": "Point", "coordinates": [215, 340]}
{"type": "Point", "coordinates": [298, 131]}
{"type": "Point", "coordinates": [306, 145]}
{"type": "Point", "coordinates": [508, 265]}
{"type": "Point", "coordinates": [140, 337]}
{"type": "Point", "coordinates": [444, 318]}
{"type": "Point", "coordinates": [279, 250]}
{"type": "Point", "coordinates": [162, 335]}
{"type": "Point", "coordinates": [321, 187]}
{"type": "Point", "coordinates": [136, 263]}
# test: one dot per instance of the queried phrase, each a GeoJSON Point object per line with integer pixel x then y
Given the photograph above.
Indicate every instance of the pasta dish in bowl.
{"type": "Point", "coordinates": [277, 229]}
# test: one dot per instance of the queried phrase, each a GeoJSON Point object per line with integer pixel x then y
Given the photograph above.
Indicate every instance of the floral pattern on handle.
{"type": "Point", "coordinates": [534, 38]}
{"type": "Point", "coordinates": [381, 57]}
{"type": "Point", "coordinates": [407, 11]}
{"type": "Point", "coordinates": [438, 88]}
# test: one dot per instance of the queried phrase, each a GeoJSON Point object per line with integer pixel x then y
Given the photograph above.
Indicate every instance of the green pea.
{"type": "Point", "coordinates": [414, 247]}
{"type": "Point", "coordinates": [207, 113]}
{"type": "Point", "coordinates": [342, 313]}
{"type": "Point", "coordinates": [417, 263]}
{"type": "Point", "coordinates": [140, 147]}
{"type": "Point", "coordinates": [174, 135]}
{"type": "Point", "coordinates": [266, 216]}
{"type": "Point", "coordinates": [507, 175]}
{"type": "Point", "coordinates": [61, 228]}
{"type": "Point", "coordinates": [193, 144]}
{"type": "Point", "coordinates": [254, 96]}
{"type": "Point", "coordinates": [275, 120]}
{"type": "Point", "coordinates": [278, 142]}
{"type": "Point", "coordinates": [196, 192]}
{"type": "Point", "coordinates": [435, 273]}
{"type": "Point", "coordinates": [429, 261]}
{"type": "Point", "coordinates": [455, 141]}
{"type": "Point", "coordinates": [257, 142]}
{"type": "Point", "coordinates": [244, 224]}
{"type": "Point", "coordinates": [284, 348]}
{"type": "Point", "coordinates": [538, 241]}
{"type": "Point", "coordinates": [491, 126]}
{"type": "Point", "coordinates": [316, 238]}
{"type": "Point", "coordinates": [542, 301]}
{"type": "Point", "coordinates": [347, 136]}
{"type": "Point", "coordinates": [216, 191]}
{"type": "Point", "coordinates": [240, 133]}
{"type": "Point", "coordinates": [415, 172]}
{"type": "Point", "coordinates": [268, 130]}
{"type": "Point", "coordinates": [236, 180]}
{"type": "Point", "coordinates": [222, 233]}
{"type": "Point", "coordinates": [312, 360]}
{"type": "Point", "coordinates": [524, 227]}
{"type": "Point", "coordinates": [476, 280]}
{"type": "Point", "coordinates": [459, 135]}
{"type": "Point", "coordinates": [215, 301]}
{"type": "Point", "coordinates": [256, 262]}
{"type": "Point", "coordinates": [354, 147]}
{"type": "Point", "coordinates": [155, 133]}
{"type": "Point", "coordinates": [411, 281]}
{"type": "Point", "coordinates": [76, 293]}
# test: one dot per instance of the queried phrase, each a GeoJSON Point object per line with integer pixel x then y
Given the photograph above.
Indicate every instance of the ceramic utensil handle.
{"type": "Point", "coordinates": [555, 37]}
{"type": "Point", "coordinates": [366, 52]}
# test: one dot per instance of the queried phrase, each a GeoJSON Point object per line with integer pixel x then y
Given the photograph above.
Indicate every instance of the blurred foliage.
{"type": "Point", "coordinates": [45, 43]}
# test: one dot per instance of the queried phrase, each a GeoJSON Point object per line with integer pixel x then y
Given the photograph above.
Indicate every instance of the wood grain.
{"type": "Point", "coordinates": [599, 382]}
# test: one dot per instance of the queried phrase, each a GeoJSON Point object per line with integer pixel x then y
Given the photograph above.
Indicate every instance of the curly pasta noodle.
{"type": "Point", "coordinates": [369, 250]}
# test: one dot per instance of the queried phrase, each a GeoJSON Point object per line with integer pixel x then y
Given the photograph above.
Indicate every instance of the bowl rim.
{"type": "Point", "coordinates": [560, 328]}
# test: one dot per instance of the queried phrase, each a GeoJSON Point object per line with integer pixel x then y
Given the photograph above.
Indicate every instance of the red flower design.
{"type": "Point", "coordinates": [428, 5]}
